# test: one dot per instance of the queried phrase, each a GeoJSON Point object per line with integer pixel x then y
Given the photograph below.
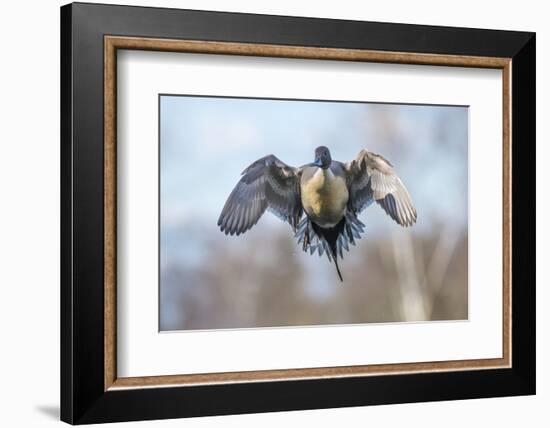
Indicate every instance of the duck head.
{"type": "Point", "coordinates": [322, 157]}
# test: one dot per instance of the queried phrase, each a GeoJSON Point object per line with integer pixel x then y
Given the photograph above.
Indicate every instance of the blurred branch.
{"type": "Point", "coordinates": [413, 305]}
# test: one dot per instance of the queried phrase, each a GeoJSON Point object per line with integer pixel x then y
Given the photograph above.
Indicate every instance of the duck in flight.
{"type": "Point", "coordinates": [329, 192]}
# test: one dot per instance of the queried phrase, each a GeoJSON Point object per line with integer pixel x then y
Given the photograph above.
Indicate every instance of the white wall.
{"type": "Point", "coordinates": [29, 241]}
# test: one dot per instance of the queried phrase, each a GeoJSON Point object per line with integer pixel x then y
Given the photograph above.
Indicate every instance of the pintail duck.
{"type": "Point", "coordinates": [331, 193]}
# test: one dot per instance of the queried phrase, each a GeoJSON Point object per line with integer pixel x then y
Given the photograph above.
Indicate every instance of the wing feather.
{"type": "Point", "coordinates": [267, 183]}
{"type": "Point", "coordinates": [372, 178]}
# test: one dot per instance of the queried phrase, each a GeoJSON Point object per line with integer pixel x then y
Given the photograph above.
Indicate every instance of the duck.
{"type": "Point", "coordinates": [321, 201]}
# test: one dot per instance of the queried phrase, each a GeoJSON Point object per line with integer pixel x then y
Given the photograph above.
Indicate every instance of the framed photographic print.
{"type": "Point", "coordinates": [265, 213]}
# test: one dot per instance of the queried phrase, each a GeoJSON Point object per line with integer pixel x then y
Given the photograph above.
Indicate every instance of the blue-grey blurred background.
{"type": "Point", "coordinates": [263, 278]}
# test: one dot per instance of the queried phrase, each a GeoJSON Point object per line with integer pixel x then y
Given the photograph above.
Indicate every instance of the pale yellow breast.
{"type": "Point", "coordinates": [324, 197]}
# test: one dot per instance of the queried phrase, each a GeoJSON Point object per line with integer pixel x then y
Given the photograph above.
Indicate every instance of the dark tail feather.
{"type": "Point", "coordinates": [335, 256]}
{"type": "Point", "coordinates": [330, 235]}
{"type": "Point", "coordinates": [331, 241]}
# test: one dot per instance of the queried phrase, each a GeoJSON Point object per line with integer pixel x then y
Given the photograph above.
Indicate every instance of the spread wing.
{"type": "Point", "coordinates": [372, 178]}
{"type": "Point", "coordinates": [266, 184]}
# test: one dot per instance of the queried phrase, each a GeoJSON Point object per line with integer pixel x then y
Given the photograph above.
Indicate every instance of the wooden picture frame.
{"type": "Point", "coordinates": [91, 390]}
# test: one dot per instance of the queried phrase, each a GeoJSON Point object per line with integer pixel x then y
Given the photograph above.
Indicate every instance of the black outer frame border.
{"type": "Point", "coordinates": [83, 399]}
